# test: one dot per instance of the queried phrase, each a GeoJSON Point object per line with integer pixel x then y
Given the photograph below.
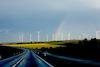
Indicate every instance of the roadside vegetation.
{"type": "Point", "coordinates": [36, 46]}
{"type": "Point", "coordinates": [85, 49]}
{"type": "Point", "coordinates": [6, 52]}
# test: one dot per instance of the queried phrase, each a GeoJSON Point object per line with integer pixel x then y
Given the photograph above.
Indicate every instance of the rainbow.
{"type": "Point", "coordinates": [59, 30]}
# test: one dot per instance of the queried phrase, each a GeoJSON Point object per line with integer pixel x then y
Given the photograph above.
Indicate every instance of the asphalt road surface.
{"type": "Point", "coordinates": [26, 59]}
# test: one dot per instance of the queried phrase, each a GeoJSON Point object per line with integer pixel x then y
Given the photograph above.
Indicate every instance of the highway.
{"type": "Point", "coordinates": [26, 59]}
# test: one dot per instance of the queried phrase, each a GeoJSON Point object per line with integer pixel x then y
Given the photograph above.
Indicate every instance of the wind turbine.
{"type": "Point", "coordinates": [22, 36]}
{"type": "Point", "coordinates": [79, 37]}
{"type": "Point", "coordinates": [53, 37]}
{"type": "Point", "coordinates": [85, 35]}
{"type": "Point", "coordinates": [38, 36]}
{"type": "Point", "coordinates": [62, 37]}
{"type": "Point", "coordinates": [90, 36]}
{"type": "Point", "coordinates": [47, 37]}
{"type": "Point", "coordinates": [30, 37]}
{"type": "Point", "coordinates": [68, 36]}
{"type": "Point", "coordinates": [19, 38]}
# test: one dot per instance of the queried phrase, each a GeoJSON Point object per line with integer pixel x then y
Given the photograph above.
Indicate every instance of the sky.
{"type": "Point", "coordinates": [30, 16]}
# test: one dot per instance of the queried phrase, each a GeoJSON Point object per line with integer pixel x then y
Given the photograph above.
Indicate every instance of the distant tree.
{"type": "Point", "coordinates": [30, 42]}
{"type": "Point", "coordinates": [85, 41]}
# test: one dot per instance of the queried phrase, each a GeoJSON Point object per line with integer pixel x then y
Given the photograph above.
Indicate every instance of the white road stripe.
{"type": "Point", "coordinates": [44, 61]}
{"type": "Point", "coordinates": [18, 61]}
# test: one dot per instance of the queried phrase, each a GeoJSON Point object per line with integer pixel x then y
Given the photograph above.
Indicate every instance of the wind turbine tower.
{"type": "Point", "coordinates": [38, 36]}
{"type": "Point", "coordinates": [79, 37]}
{"type": "Point", "coordinates": [19, 38]}
{"type": "Point", "coordinates": [62, 37]}
{"type": "Point", "coordinates": [68, 36]}
{"type": "Point", "coordinates": [30, 37]}
{"type": "Point", "coordinates": [85, 35]}
{"type": "Point", "coordinates": [53, 37]}
{"type": "Point", "coordinates": [47, 37]}
{"type": "Point", "coordinates": [22, 37]}
{"type": "Point", "coordinates": [90, 37]}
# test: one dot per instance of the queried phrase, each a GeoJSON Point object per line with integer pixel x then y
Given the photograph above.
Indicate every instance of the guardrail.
{"type": "Point", "coordinates": [87, 62]}
{"type": "Point", "coordinates": [12, 60]}
{"type": "Point", "coordinates": [41, 60]}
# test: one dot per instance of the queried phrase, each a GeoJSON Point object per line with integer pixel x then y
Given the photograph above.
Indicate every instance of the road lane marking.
{"type": "Point", "coordinates": [44, 61]}
{"type": "Point", "coordinates": [18, 61]}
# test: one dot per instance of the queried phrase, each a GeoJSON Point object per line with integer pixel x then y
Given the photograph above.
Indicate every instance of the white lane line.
{"type": "Point", "coordinates": [44, 61]}
{"type": "Point", "coordinates": [18, 61]}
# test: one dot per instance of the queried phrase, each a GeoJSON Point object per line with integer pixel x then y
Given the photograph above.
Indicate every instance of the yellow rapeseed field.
{"type": "Point", "coordinates": [34, 46]}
